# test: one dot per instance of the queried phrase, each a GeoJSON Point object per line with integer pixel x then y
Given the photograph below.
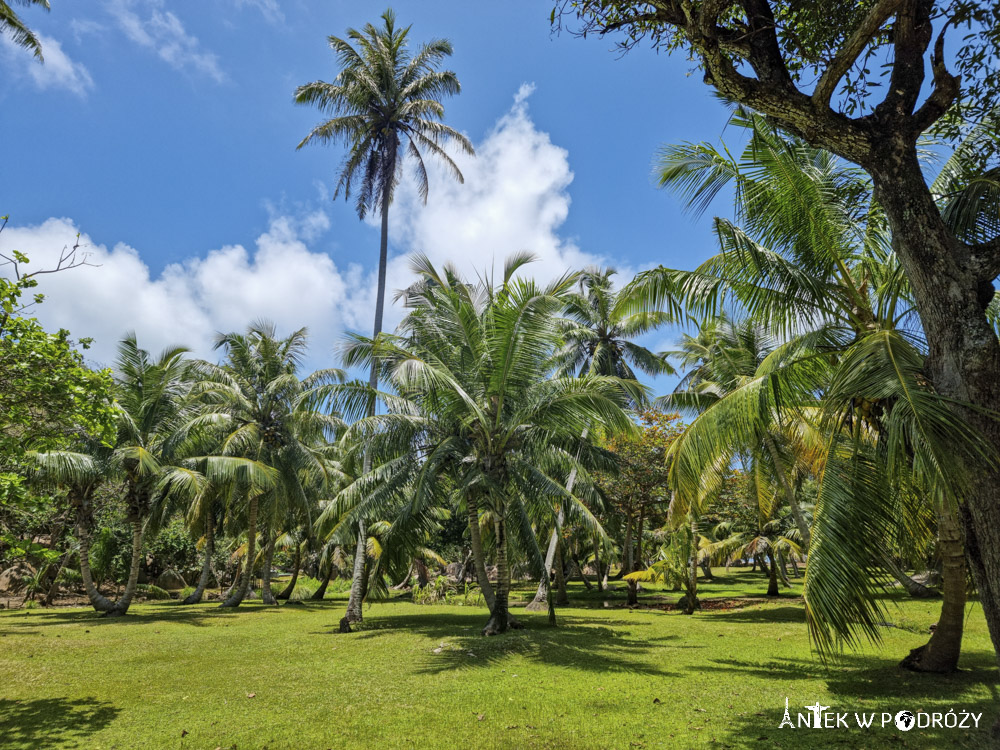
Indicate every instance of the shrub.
{"type": "Point", "coordinates": [152, 592]}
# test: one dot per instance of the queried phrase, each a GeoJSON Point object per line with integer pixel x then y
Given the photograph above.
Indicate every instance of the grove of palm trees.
{"type": "Point", "coordinates": [747, 501]}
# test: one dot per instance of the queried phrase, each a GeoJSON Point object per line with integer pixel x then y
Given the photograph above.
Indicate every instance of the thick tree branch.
{"type": "Point", "coordinates": [985, 259]}
{"type": "Point", "coordinates": [946, 90]}
{"type": "Point", "coordinates": [856, 43]}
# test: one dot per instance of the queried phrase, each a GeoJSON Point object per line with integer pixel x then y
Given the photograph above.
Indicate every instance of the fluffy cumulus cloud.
{"type": "Point", "coordinates": [58, 72]}
{"type": "Point", "coordinates": [515, 197]}
{"type": "Point", "coordinates": [148, 24]}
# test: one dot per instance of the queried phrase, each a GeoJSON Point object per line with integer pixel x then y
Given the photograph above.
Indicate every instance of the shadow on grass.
{"type": "Point", "coordinates": [576, 643]}
{"type": "Point", "coordinates": [52, 722]}
{"type": "Point", "coordinates": [197, 615]}
{"type": "Point", "coordinates": [865, 684]}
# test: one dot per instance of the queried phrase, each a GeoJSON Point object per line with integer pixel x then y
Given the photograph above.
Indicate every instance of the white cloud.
{"type": "Point", "coordinates": [515, 197]}
{"type": "Point", "coordinates": [163, 32]}
{"type": "Point", "coordinates": [58, 71]}
{"type": "Point", "coordinates": [268, 8]}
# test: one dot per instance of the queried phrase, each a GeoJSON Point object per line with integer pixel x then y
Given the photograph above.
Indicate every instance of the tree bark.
{"type": "Point", "coordinates": [913, 588]}
{"type": "Point", "coordinates": [236, 596]}
{"type": "Point", "coordinates": [206, 566]}
{"type": "Point", "coordinates": [562, 596]}
{"type": "Point", "coordinates": [320, 593]}
{"type": "Point", "coordinates": [772, 575]}
{"type": "Point", "coordinates": [478, 555]}
{"type": "Point", "coordinates": [358, 579]}
{"type": "Point", "coordinates": [583, 574]}
{"type": "Point", "coordinates": [50, 595]}
{"type": "Point", "coordinates": [99, 602]}
{"type": "Point", "coordinates": [541, 599]}
{"type": "Point", "coordinates": [500, 620]}
{"type": "Point", "coordinates": [691, 602]}
{"type": "Point", "coordinates": [266, 595]}
{"type": "Point", "coordinates": [286, 592]}
{"type": "Point", "coordinates": [940, 654]}
{"type": "Point", "coordinates": [123, 603]}
{"type": "Point", "coordinates": [952, 286]}
{"type": "Point", "coordinates": [598, 568]}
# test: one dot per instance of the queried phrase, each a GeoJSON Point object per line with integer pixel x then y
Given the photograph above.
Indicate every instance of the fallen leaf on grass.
{"type": "Point", "coordinates": [251, 695]}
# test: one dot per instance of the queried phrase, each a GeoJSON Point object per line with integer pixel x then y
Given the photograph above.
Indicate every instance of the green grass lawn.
{"type": "Point", "coordinates": [421, 676]}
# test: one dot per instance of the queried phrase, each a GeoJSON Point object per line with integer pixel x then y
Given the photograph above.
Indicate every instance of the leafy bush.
{"type": "Point", "coordinates": [70, 577]}
{"type": "Point", "coordinates": [185, 592]}
{"type": "Point", "coordinates": [152, 592]}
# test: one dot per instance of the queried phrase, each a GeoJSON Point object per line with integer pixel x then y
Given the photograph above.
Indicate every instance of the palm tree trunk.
{"type": "Point", "coordinates": [499, 621]}
{"type": "Point", "coordinates": [691, 602]}
{"type": "Point", "coordinates": [266, 595]}
{"type": "Point", "coordinates": [941, 652]}
{"type": "Point", "coordinates": [99, 602]}
{"type": "Point", "coordinates": [913, 588]}
{"type": "Point", "coordinates": [320, 593]}
{"type": "Point", "coordinates": [601, 581]}
{"type": "Point", "coordinates": [122, 605]}
{"type": "Point", "coordinates": [795, 567]}
{"type": "Point", "coordinates": [478, 555]}
{"type": "Point", "coordinates": [540, 601]}
{"type": "Point", "coordinates": [793, 501]}
{"type": "Point", "coordinates": [354, 613]}
{"type": "Point", "coordinates": [772, 574]}
{"type": "Point", "coordinates": [286, 592]}
{"type": "Point", "coordinates": [562, 596]}
{"type": "Point", "coordinates": [583, 574]}
{"type": "Point", "coordinates": [240, 592]}
{"type": "Point", "coordinates": [50, 595]}
{"type": "Point", "coordinates": [206, 566]}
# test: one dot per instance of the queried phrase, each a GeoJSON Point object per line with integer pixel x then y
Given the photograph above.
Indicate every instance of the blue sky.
{"type": "Point", "coordinates": [165, 133]}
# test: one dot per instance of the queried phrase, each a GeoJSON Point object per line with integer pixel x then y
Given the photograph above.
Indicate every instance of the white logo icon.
{"type": "Point", "coordinates": [904, 721]}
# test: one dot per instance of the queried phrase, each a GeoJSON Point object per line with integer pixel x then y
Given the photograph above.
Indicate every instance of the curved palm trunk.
{"type": "Point", "coordinates": [266, 595]}
{"type": "Point", "coordinates": [941, 652]}
{"type": "Point", "coordinates": [286, 592]}
{"type": "Point", "coordinates": [562, 596]}
{"type": "Point", "coordinates": [913, 588]}
{"type": "Point", "coordinates": [541, 599]}
{"type": "Point", "coordinates": [100, 602]}
{"type": "Point", "coordinates": [122, 605]}
{"type": "Point", "coordinates": [320, 593]}
{"type": "Point", "coordinates": [583, 576]}
{"type": "Point", "coordinates": [206, 566]}
{"type": "Point", "coordinates": [478, 555]}
{"type": "Point", "coordinates": [240, 592]}
{"type": "Point", "coordinates": [358, 577]}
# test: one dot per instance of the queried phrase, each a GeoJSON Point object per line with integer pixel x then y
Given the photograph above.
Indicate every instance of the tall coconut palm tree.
{"type": "Point", "coordinates": [598, 329]}
{"type": "Point", "coordinates": [264, 413]}
{"type": "Point", "coordinates": [386, 105]}
{"type": "Point", "coordinates": [469, 367]}
{"type": "Point", "coordinates": [12, 25]}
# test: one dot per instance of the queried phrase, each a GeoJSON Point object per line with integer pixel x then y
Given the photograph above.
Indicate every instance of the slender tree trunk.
{"type": "Point", "coordinates": [358, 578]}
{"type": "Point", "coordinates": [541, 599]}
{"type": "Point", "coordinates": [706, 570]}
{"type": "Point", "coordinates": [783, 570]}
{"type": "Point", "coordinates": [691, 598]}
{"type": "Point", "coordinates": [772, 575]}
{"type": "Point", "coordinates": [795, 567]}
{"type": "Point", "coordinates": [54, 587]}
{"type": "Point", "coordinates": [583, 574]}
{"type": "Point", "coordinates": [562, 595]}
{"type": "Point", "coordinates": [266, 595]}
{"type": "Point", "coordinates": [500, 619]}
{"type": "Point", "coordinates": [941, 652]}
{"type": "Point", "coordinates": [236, 596]}
{"type": "Point", "coordinates": [601, 583]}
{"type": "Point", "coordinates": [206, 566]}
{"type": "Point", "coordinates": [464, 572]}
{"type": "Point", "coordinates": [122, 605]}
{"type": "Point", "coordinates": [786, 486]}
{"type": "Point", "coordinates": [286, 592]}
{"type": "Point", "coordinates": [320, 593]}
{"type": "Point", "coordinates": [478, 555]}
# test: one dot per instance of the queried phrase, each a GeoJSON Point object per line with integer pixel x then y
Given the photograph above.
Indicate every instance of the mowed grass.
{"type": "Point", "coordinates": [421, 676]}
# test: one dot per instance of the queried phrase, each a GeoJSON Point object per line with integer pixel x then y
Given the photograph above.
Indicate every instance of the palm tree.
{"type": "Point", "coordinates": [21, 34]}
{"type": "Point", "coordinates": [262, 412]}
{"type": "Point", "coordinates": [597, 329]}
{"type": "Point", "coordinates": [473, 406]}
{"type": "Point", "coordinates": [386, 103]}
